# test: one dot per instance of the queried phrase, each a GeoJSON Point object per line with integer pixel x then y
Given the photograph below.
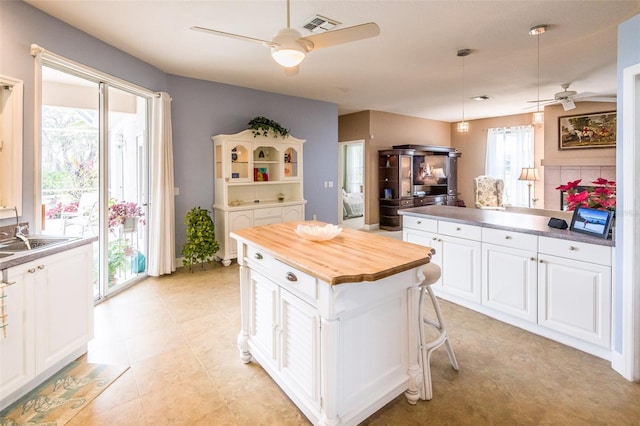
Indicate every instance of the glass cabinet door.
{"type": "Point", "coordinates": [240, 162]}
{"type": "Point", "coordinates": [291, 166]}
{"type": "Point", "coordinates": [405, 176]}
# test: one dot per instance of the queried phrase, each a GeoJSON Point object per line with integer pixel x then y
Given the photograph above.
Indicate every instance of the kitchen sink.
{"type": "Point", "coordinates": [36, 242]}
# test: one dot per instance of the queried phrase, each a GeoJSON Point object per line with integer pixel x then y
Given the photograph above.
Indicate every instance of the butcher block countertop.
{"type": "Point", "coordinates": [353, 256]}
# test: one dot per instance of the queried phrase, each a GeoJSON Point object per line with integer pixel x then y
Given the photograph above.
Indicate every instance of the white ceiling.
{"type": "Point", "coordinates": [411, 68]}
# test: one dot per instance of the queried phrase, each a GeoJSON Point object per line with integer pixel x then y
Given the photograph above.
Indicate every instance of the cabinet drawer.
{"type": "Point", "coordinates": [406, 202]}
{"type": "Point", "coordinates": [299, 283]}
{"type": "Point", "coordinates": [429, 225]}
{"type": "Point", "coordinates": [259, 260]}
{"type": "Point", "coordinates": [270, 212]}
{"type": "Point", "coordinates": [576, 250]}
{"type": "Point", "coordinates": [511, 239]}
{"type": "Point", "coordinates": [460, 230]}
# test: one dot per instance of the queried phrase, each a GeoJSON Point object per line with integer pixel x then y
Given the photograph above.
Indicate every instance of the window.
{"type": "Point", "coordinates": [509, 149]}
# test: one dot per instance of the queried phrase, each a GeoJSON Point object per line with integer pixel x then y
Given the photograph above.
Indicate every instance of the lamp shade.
{"type": "Point", "coordinates": [538, 118]}
{"type": "Point", "coordinates": [529, 173]}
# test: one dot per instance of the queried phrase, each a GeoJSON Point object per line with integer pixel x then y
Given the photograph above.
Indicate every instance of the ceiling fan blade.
{"type": "Point", "coordinates": [567, 104]}
{"type": "Point", "coordinates": [231, 35]}
{"type": "Point", "coordinates": [344, 35]}
{"type": "Point", "coordinates": [600, 99]}
{"type": "Point", "coordinates": [541, 100]}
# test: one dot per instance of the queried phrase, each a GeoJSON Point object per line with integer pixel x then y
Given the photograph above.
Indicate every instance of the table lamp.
{"type": "Point", "coordinates": [530, 174]}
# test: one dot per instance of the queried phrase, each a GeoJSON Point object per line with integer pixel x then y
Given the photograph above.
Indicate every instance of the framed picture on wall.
{"type": "Point", "coordinates": [596, 130]}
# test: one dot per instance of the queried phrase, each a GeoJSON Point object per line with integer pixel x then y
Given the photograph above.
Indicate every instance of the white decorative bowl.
{"type": "Point", "coordinates": [318, 233]}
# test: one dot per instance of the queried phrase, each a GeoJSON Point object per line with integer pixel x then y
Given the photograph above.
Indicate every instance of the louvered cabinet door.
{"type": "Point", "coordinates": [300, 347]}
{"type": "Point", "coordinates": [264, 316]}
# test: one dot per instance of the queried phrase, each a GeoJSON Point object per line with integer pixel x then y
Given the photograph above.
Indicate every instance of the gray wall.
{"type": "Point", "coordinates": [200, 109]}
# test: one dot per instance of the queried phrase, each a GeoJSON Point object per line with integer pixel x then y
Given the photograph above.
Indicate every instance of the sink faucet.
{"type": "Point", "coordinates": [19, 230]}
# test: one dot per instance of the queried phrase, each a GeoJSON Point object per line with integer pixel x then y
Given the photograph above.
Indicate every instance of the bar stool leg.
{"type": "Point", "coordinates": [427, 348]}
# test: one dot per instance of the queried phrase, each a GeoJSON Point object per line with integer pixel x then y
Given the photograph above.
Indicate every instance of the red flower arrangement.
{"type": "Point", "coordinates": [602, 196]}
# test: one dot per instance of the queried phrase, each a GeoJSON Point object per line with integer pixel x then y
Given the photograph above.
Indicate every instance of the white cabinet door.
{"type": "Point", "coordinates": [64, 305]}
{"type": "Point", "coordinates": [293, 213]}
{"type": "Point", "coordinates": [509, 281]}
{"type": "Point", "coordinates": [263, 311]}
{"type": "Point", "coordinates": [300, 347]}
{"type": "Point", "coordinates": [426, 239]}
{"type": "Point", "coordinates": [575, 298]}
{"type": "Point", "coordinates": [237, 220]}
{"type": "Point", "coordinates": [17, 338]}
{"type": "Point", "coordinates": [461, 267]}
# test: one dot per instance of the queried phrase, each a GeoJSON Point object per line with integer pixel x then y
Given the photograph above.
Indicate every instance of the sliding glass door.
{"type": "Point", "coordinates": [94, 168]}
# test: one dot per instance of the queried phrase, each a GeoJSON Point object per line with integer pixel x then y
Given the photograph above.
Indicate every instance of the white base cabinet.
{"type": "Point", "coordinates": [458, 253]}
{"type": "Point", "coordinates": [574, 295]}
{"type": "Point", "coordinates": [50, 319]}
{"type": "Point", "coordinates": [557, 288]}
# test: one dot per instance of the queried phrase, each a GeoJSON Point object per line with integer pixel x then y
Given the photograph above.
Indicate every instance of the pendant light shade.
{"type": "Point", "coordinates": [538, 116]}
{"type": "Point", "coordinates": [463, 126]}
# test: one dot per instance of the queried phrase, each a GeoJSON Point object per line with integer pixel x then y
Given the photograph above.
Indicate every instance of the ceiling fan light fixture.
{"type": "Point", "coordinates": [286, 50]}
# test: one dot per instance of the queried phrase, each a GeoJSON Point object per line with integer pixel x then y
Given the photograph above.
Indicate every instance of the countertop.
{"type": "Point", "coordinates": [516, 222]}
{"type": "Point", "coordinates": [352, 256]}
{"type": "Point", "coordinates": [27, 256]}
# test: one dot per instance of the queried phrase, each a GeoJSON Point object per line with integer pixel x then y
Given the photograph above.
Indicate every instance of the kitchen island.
{"type": "Point", "coordinates": [334, 323]}
{"type": "Point", "coordinates": [513, 267]}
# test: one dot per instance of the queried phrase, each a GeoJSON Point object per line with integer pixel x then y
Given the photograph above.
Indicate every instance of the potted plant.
{"type": "Point", "coordinates": [201, 244]}
{"type": "Point", "coordinates": [126, 214]}
{"type": "Point", "coordinates": [117, 259]}
{"type": "Point", "coordinates": [260, 126]}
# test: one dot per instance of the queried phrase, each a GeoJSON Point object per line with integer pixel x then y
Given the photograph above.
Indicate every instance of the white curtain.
{"type": "Point", "coordinates": [508, 151]}
{"type": "Point", "coordinates": [162, 258]}
{"type": "Point", "coordinates": [353, 167]}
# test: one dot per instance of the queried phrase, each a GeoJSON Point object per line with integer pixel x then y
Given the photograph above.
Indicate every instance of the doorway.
{"type": "Point", "coordinates": [94, 171]}
{"type": "Point", "coordinates": [351, 197]}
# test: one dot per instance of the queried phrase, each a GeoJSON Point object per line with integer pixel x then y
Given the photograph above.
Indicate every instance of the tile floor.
{"type": "Point", "coordinates": [178, 335]}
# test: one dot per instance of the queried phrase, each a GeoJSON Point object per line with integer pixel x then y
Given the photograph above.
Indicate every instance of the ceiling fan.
{"type": "Point", "coordinates": [289, 48]}
{"type": "Point", "coordinates": [568, 97]}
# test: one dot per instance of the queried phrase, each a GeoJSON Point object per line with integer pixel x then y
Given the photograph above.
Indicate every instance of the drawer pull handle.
{"type": "Point", "coordinates": [31, 270]}
{"type": "Point", "coordinates": [507, 237]}
{"type": "Point", "coordinates": [573, 248]}
{"type": "Point", "coordinates": [291, 277]}
{"type": "Point", "coordinates": [41, 267]}
{"type": "Point", "coordinates": [458, 229]}
{"type": "Point", "coordinates": [258, 256]}
{"type": "Point", "coordinates": [434, 238]}
{"type": "Point", "coordinates": [541, 261]}
{"type": "Point", "coordinates": [419, 222]}
{"type": "Point", "coordinates": [533, 259]}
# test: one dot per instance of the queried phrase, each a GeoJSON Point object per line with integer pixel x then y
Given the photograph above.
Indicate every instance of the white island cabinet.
{"type": "Point", "coordinates": [515, 268]}
{"type": "Point", "coordinates": [258, 181]}
{"type": "Point", "coordinates": [49, 307]}
{"type": "Point", "coordinates": [334, 323]}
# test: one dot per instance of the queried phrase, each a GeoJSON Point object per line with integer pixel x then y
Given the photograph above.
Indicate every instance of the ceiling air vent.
{"type": "Point", "coordinates": [319, 22]}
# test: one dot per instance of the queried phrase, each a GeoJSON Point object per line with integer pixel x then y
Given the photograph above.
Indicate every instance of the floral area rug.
{"type": "Point", "coordinates": [62, 396]}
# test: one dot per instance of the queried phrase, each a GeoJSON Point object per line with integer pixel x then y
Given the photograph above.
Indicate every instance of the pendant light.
{"type": "Point", "coordinates": [463, 126]}
{"type": "Point", "coordinates": [538, 116]}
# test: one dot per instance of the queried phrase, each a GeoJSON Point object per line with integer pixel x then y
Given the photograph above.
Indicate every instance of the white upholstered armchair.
{"type": "Point", "coordinates": [488, 193]}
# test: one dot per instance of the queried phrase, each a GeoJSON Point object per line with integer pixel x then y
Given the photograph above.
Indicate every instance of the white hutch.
{"type": "Point", "coordinates": [258, 181]}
